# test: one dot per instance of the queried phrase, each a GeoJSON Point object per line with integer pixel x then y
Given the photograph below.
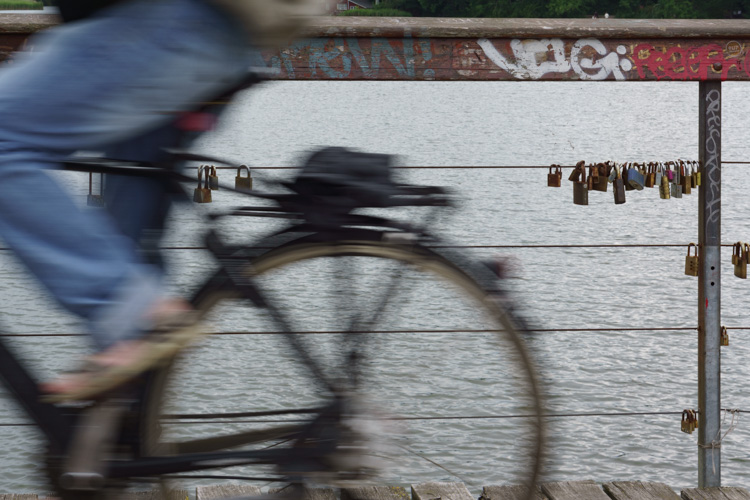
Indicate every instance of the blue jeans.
{"type": "Point", "coordinates": [101, 84]}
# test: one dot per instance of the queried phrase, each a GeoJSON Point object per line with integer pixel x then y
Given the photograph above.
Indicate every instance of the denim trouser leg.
{"type": "Point", "coordinates": [89, 86]}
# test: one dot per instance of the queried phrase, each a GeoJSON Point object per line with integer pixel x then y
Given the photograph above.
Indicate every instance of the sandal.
{"type": "Point", "coordinates": [97, 374]}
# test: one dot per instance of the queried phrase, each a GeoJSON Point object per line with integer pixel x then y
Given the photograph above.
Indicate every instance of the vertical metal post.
{"type": "Point", "coordinates": [709, 286]}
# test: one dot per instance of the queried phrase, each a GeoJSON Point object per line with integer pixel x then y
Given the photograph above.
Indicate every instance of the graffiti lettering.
{"type": "Point", "coordinates": [713, 159]}
{"type": "Point", "coordinates": [682, 63]}
{"type": "Point", "coordinates": [347, 58]}
{"type": "Point", "coordinates": [533, 59]}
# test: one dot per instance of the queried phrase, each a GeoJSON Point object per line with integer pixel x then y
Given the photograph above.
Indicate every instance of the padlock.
{"type": "Point", "coordinates": [693, 174]}
{"type": "Point", "coordinates": [554, 178]}
{"type": "Point", "coordinates": [740, 268]}
{"type": "Point", "coordinates": [724, 337]}
{"type": "Point", "coordinates": [698, 176]}
{"type": "Point", "coordinates": [618, 187]}
{"type": "Point", "coordinates": [691, 261]}
{"type": "Point", "coordinates": [625, 173]}
{"type": "Point", "coordinates": [599, 183]}
{"type": "Point", "coordinates": [685, 423]}
{"type": "Point", "coordinates": [659, 169]}
{"type": "Point", "coordinates": [213, 179]}
{"type": "Point", "coordinates": [202, 194]}
{"type": "Point", "coordinates": [693, 419]}
{"type": "Point", "coordinates": [576, 173]}
{"type": "Point", "coordinates": [604, 168]}
{"type": "Point", "coordinates": [685, 179]}
{"type": "Point", "coordinates": [612, 172]}
{"type": "Point", "coordinates": [676, 179]}
{"type": "Point", "coordinates": [669, 172]}
{"type": "Point", "coordinates": [581, 190]}
{"type": "Point", "coordinates": [664, 187]}
{"type": "Point", "coordinates": [246, 183]}
{"type": "Point", "coordinates": [650, 179]}
{"type": "Point", "coordinates": [635, 177]}
{"type": "Point", "coordinates": [736, 252]}
{"type": "Point", "coordinates": [95, 200]}
{"type": "Point", "coordinates": [675, 189]}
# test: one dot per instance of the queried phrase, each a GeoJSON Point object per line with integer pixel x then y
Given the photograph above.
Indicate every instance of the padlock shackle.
{"type": "Point", "coordinates": [239, 170]}
{"type": "Point", "coordinates": [696, 249]}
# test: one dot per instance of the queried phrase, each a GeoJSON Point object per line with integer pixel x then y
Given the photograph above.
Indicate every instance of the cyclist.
{"type": "Point", "coordinates": [113, 80]}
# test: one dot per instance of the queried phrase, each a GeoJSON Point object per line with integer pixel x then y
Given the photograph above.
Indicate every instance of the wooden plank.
{"type": "Point", "coordinates": [511, 492]}
{"type": "Point", "coordinates": [375, 493]}
{"type": "Point", "coordinates": [156, 495]}
{"type": "Point", "coordinates": [442, 491]}
{"type": "Point", "coordinates": [313, 493]}
{"type": "Point", "coordinates": [723, 493]}
{"type": "Point", "coordinates": [639, 490]}
{"type": "Point", "coordinates": [574, 490]}
{"type": "Point", "coordinates": [512, 59]}
{"type": "Point", "coordinates": [227, 490]}
{"type": "Point", "coordinates": [350, 48]}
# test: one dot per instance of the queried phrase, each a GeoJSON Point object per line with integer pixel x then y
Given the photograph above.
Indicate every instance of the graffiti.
{"type": "Point", "coordinates": [589, 59]}
{"type": "Point", "coordinates": [683, 63]}
{"type": "Point", "coordinates": [354, 58]}
{"type": "Point", "coordinates": [534, 59]}
{"type": "Point", "coordinates": [712, 160]}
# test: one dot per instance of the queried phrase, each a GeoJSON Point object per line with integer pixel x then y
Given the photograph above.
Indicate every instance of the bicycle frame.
{"type": "Point", "coordinates": [58, 424]}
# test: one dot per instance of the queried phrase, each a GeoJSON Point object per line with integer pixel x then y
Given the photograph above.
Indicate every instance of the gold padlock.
{"type": "Point", "coordinates": [689, 421]}
{"type": "Point", "coordinates": [724, 336]}
{"type": "Point", "coordinates": [684, 426]}
{"type": "Point", "coordinates": [664, 188]}
{"type": "Point", "coordinates": [202, 194]}
{"type": "Point", "coordinates": [691, 261]}
{"type": "Point", "coordinates": [686, 182]}
{"type": "Point", "coordinates": [213, 179]}
{"type": "Point", "coordinates": [736, 250]}
{"type": "Point", "coordinates": [695, 419]}
{"type": "Point", "coordinates": [740, 268]}
{"type": "Point", "coordinates": [243, 183]}
{"type": "Point", "coordinates": [698, 177]}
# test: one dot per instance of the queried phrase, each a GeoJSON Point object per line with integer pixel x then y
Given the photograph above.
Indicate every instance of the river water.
{"type": "Point", "coordinates": [473, 124]}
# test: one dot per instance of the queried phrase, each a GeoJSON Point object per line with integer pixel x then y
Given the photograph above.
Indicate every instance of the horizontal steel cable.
{"type": "Point", "coordinates": [593, 245]}
{"type": "Point", "coordinates": [383, 332]}
{"type": "Point", "coordinates": [416, 418]}
{"type": "Point", "coordinates": [461, 167]}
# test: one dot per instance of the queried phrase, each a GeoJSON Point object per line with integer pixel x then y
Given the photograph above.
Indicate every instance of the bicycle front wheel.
{"type": "Point", "coordinates": [414, 333]}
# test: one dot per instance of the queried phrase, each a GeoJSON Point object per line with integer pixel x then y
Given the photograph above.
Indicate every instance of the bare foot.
{"type": "Point", "coordinates": [175, 327]}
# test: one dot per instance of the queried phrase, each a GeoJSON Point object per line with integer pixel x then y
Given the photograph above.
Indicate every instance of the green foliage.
{"type": "Point", "coordinates": [20, 5]}
{"type": "Point", "coordinates": [642, 9]}
{"type": "Point", "coordinates": [379, 12]}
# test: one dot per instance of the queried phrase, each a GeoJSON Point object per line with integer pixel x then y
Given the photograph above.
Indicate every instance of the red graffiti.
{"type": "Point", "coordinates": [682, 63]}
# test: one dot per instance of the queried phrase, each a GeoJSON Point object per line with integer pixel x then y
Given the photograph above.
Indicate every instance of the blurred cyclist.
{"type": "Point", "coordinates": [112, 79]}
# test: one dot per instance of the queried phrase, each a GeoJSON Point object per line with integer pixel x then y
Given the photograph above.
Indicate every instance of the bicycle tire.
{"type": "Point", "coordinates": [519, 402]}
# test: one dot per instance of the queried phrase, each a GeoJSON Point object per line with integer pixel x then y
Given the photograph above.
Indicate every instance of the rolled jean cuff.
{"type": "Point", "coordinates": [126, 316]}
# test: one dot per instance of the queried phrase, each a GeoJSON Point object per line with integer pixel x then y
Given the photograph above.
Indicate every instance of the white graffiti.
{"type": "Point", "coordinates": [532, 59]}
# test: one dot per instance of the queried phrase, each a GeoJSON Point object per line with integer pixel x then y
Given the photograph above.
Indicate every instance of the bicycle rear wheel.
{"type": "Point", "coordinates": [439, 361]}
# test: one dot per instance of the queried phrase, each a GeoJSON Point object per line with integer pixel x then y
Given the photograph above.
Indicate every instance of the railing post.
{"type": "Point", "coordinates": [709, 286]}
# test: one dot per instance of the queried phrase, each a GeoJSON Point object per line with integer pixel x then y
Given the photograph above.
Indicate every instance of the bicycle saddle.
{"type": "Point", "coordinates": [341, 180]}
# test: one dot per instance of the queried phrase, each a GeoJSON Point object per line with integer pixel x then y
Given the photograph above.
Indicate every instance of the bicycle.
{"type": "Point", "coordinates": [95, 450]}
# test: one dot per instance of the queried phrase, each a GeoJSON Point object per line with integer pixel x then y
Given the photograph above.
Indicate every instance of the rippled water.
{"type": "Point", "coordinates": [449, 123]}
